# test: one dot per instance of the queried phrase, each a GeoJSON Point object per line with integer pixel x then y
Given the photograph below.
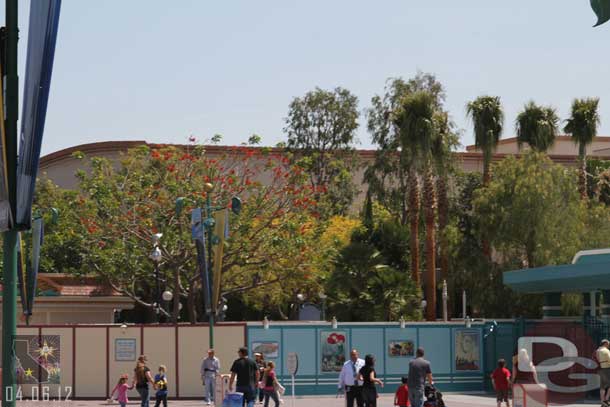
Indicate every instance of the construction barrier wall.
{"type": "Point", "coordinates": [86, 361]}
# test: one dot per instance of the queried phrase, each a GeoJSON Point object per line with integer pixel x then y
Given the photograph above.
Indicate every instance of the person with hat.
{"type": "Point", "coordinates": [603, 358]}
{"type": "Point", "coordinates": [121, 390]}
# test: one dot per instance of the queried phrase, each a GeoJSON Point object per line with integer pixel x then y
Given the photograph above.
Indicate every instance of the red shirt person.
{"type": "Point", "coordinates": [500, 379]}
{"type": "Point", "coordinates": [401, 398]}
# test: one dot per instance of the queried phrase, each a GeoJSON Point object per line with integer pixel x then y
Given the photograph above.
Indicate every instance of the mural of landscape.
{"type": "Point", "coordinates": [38, 359]}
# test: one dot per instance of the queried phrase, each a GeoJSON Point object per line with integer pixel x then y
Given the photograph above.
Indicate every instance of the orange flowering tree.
{"type": "Point", "coordinates": [120, 206]}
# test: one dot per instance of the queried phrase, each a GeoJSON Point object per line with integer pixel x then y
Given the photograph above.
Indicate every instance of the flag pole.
{"type": "Point", "coordinates": [9, 283]}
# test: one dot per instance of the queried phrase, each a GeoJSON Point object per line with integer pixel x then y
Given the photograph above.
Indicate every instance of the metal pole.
{"type": "Point", "coordinates": [445, 297]}
{"type": "Point", "coordinates": [9, 290]}
{"type": "Point", "coordinates": [464, 304]}
{"type": "Point", "coordinates": [158, 293]}
{"type": "Point", "coordinates": [208, 212]}
{"type": "Point", "coordinates": [324, 310]}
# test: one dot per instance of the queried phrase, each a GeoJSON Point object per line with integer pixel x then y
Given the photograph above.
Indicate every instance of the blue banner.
{"type": "Point", "coordinates": [28, 273]}
{"type": "Point", "coordinates": [42, 36]}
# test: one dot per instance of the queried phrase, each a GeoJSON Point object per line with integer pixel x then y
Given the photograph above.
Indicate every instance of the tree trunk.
{"type": "Point", "coordinates": [582, 174]}
{"type": "Point", "coordinates": [486, 173]}
{"type": "Point", "coordinates": [414, 202]}
{"type": "Point", "coordinates": [443, 221]}
{"type": "Point", "coordinates": [430, 216]}
{"type": "Point", "coordinates": [191, 306]}
{"type": "Point", "coordinates": [485, 246]}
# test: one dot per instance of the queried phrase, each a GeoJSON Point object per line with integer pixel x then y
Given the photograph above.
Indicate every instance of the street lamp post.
{"type": "Point", "coordinates": [156, 257]}
{"type": "Point", "coordinates": [208, 238]}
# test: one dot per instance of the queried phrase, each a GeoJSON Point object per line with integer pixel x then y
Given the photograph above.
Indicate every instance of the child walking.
{"type": "Point", "coordinates": [161, 386]}
{"type": "Point", "coordinates": [121, 390]}
{"type": "Point", "coordinates": [500, 378]}
{"type": "Point", "coordinates": [401, 398]}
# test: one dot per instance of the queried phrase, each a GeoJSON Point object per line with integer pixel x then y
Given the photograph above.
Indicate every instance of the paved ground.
{"type": "Point", "coordinates": [451, 400]}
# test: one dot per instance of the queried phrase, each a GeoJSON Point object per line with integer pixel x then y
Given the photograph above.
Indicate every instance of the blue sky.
{"type": "Point", "coordinates": [159, 71]}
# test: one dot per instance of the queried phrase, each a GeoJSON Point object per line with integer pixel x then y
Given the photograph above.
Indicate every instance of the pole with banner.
{"type": "Point", "coordinates": [292, 365]}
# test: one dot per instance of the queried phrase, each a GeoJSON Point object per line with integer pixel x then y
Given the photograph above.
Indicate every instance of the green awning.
{"type": "Point", "coordinates": [583, 276]}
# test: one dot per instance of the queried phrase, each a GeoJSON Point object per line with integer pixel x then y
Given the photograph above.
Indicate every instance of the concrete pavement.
{"type": "Point", "coordinates": [451, 400]}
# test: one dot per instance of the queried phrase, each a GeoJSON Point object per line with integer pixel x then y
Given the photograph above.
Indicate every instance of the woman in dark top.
{"type": "Point", "coordinates": [269, 382]}
{"type": "Point", "coordinates": [141, 379]}
{"type": "Point", "coordinates": [369, 380]}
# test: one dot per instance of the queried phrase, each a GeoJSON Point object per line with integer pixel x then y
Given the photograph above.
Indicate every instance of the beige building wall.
{"type": "Point", "coordinates": [160, 349]}
{"type": "Point", "coordinates": [193, 343]}
{"type": "Point", "coordinates": [117, 367]}
{"type": "Point", "coordinates": [90, 351]}
{"type": "Point", "coordinates": [89, 368]}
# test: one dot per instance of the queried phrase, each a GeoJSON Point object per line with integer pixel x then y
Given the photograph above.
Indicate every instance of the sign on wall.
{"type": "Point", "coordinates": [124, 350]}
{"type": "Point", "coordinates": [270, 350]}
{"type": "Point", "coordinates": [467, 350]}
{"type": "Point", "coordinates": [332, 347]}
{"type": "Point", "coordinates": [402, 348]}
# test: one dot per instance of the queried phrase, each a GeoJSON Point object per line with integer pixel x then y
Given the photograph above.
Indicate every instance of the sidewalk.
{"type": "Point", "coordinates": [451, 400]}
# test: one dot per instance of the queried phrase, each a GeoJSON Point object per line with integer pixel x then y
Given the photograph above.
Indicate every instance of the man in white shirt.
{"type": "Point", "coordinates": [210, 367]}
{"type": "Point", "coordinates": [348, 379]}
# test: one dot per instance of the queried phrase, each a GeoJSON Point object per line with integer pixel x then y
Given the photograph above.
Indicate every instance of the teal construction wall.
{"type": "Point", "coordinates": [438, 340]}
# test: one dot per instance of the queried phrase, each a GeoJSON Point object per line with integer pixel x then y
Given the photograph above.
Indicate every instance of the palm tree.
{"type": "Point", "coordinates": [445, 141]}
{"type": "Point", "coordinates": [582, 125]}
{"type": "Point", "coordinates": [537, 126]}
{"type": "Point", "coordinates": [488, 119]}
{"type": "Point", "coordinates": [415, 121]}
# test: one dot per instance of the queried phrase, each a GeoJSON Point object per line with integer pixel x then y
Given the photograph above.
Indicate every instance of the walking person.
{"type": "Point", "coordinates": [269, 381]}
{"type": "Point", "coordinates": [419, 372]}
{"type": "Point", "coordinates": [246, 372]}
{"type": "Point", "coordinates": [401, 398]}
{"type": "Point", "coordinates": [348, 379]}
{"type": "Point", "coordinates": [259, 358]}
{"type": "Point", "coordinates": [603, 358]}
{"type": "Point", "coordinates": [121, 390]}
{"type": "Point", "coordinates": [210, 367]}
{"type": "Point", "coordinates": [161, 386]}
{"type": "Point", "coordinates": [500, 379]}
{"type": "Point", "coordinates": [524, 371]}
{"type": "Point", "coordinates": [141, 379]}
{"type": "Point", "coordinates": [369, 379]}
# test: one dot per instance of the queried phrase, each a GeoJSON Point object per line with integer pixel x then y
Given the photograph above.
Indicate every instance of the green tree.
{"type": "Point", "coordinates": [368, 282]}
{"type": "Point", "coordinates": [388, 176]}
{"type": "Point", "coordinates": [537, 126]}
{"type": "Point", "coordinates": [418, 133]}
{"type": "Point", "coordinates": [321, 128]}
{"type": "Point", "coordinates": [108, 227]}
{"type": "Point", "coordinates": [582, 125]}
{"type": "Point", "coordinates": [488, 119]}
{"type": "Point", "coordinates": [531, 210]}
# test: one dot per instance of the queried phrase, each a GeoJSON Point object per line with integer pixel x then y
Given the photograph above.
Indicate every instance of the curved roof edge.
{"type": "Point", "coordinates": [585, 253]}
{"type": "Point", "coordinates": [124, 145]}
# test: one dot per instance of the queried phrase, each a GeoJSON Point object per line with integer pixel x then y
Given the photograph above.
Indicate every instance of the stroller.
{"type": "Point", "coordinates": [433, 397]}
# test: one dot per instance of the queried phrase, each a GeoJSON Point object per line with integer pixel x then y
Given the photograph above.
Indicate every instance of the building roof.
{"type": "Point", "coordinates": [66, 285]}
{"type": "Point", "coordinates": [589, 271]}
{"type": "Point", "coordinates": [106, 147]}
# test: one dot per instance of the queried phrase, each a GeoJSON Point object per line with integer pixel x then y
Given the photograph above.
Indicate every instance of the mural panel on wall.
{"type": "Point", "coordinates": [270, 350]}
{"type": "Point", "coordinates": [401, 348]}
{"type": "Point", "coordinates": [467, 350]}
{"type": "Point", "coordinates": [332, 349]}
{"type": "Point", "coordinates": [38, 359]}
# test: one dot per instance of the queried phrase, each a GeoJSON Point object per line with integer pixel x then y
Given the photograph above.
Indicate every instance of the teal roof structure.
{"type": "Point", "coordinates": [589, 271]}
